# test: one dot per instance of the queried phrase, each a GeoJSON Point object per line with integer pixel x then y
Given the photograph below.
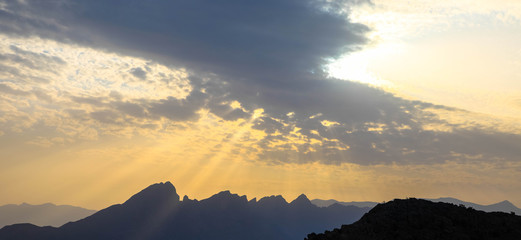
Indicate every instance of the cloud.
{"type": "Point", "coordinates": [226, 112]}
{"type": "Point", "coordinates": [96, 101]}
{"type": "Point", "coordinates": [131, 109]}
{"type": "Point", "coordinates": [10, 90]}
{"type": "Point", "coordinates": [139, 73]}
{"type": "Point", "coordinates": [241, 39]}
{"type": "Point", "coordinates": [265, 55]}
{"type": "Point", "coordinates": [105, 116]}
{"type": "Point", "coordinates": [179, 110]}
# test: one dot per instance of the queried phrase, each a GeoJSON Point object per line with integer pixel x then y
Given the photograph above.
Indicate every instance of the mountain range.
{"type": "Point", "coordinates": [504, 206]}
{"type": "Point", "coordinates": [46, 214]}
{"type": "Point", "coordinates": [157, 212]}
{"type": "Point", "coordinates": [426, 220]}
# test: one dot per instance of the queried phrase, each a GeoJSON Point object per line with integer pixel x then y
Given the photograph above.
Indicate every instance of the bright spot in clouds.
{"type": "Point", "coordinates": [355, 66]}
{"type": "Point", "coordinates": [460, 54]}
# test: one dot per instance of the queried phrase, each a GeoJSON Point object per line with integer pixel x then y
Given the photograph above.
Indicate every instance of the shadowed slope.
{"type": "Point", "coordinates": [422, 219]}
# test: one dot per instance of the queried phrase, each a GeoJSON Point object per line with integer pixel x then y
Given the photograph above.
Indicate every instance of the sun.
{"type": "Point", "coordinates": [356, 66]}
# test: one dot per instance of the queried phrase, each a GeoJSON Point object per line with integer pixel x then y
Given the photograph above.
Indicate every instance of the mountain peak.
{"type": "Point", "coordinates": [506, 202]}
{"type": "Point", "coordinates": [226, 197]}
{"type": "Point", "coordinates": [505, 206]}
{"type": "Point", "coordinates": [154, 194]}
{"type": "Point", "coordinates": [302, 197]}
{"type": "Point", "coordinates": [301, 200]}
{"type": "Point", "coordinates": [223, 195]}
{"type": "Point", "coordinates": [273, 201]}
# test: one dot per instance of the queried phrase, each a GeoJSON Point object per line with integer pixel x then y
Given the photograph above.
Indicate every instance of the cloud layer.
{"type": "Point", "coordinates": [79, 67]}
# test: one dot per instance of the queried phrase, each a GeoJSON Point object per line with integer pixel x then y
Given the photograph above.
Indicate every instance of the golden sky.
{"type": "Point", "coordinates": [351, 100]}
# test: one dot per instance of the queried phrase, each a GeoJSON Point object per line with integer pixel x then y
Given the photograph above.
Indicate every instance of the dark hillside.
{"type": "Point", "coordinates": [422, 219]}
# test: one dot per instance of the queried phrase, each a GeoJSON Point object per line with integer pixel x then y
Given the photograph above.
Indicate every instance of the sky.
{"type": "Point", "coordinates": [353, 100]}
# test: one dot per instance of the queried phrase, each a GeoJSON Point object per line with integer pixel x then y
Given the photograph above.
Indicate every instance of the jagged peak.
{"type": "Point", "coordinates": [158, 192]}
{"type": "Point", "coordinates": [271, 200]}
{"type": "Point", "coordinates": [227, 196]}
{"type": "Point", "coordinates": [225, 193]}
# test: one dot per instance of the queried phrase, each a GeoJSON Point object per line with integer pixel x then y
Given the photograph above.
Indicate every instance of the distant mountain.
{"type": "Point", "coordinates": [426, 220]}
{"type": "Point", "coordinates": [327, 203]}
{"type": "Point", "coordinates": [157, 213]}
{"type": "Point", "coordinates": [504, 206]}
{"type": "Point", "coordinates": [42, 215]}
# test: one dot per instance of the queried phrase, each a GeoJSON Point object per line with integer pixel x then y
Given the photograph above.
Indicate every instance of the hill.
{"type": "Point", "coordinates": [42, 215]}
{"type": "Point", "coordinates": [426, 220]}
{"type": "Point", "coordinates": [158, 213]}
{"type": "Point", "coordinates": [504, 206]}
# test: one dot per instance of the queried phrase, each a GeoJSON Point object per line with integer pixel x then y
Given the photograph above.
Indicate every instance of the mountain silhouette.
{"type": "Point", "coordinates": [504, 206]}
{"type": "Point", "coordinates": [326, 203]}
{"type": "Point", "coordinates": [302, 201]}
{"type": "Point", "coordinates": [46, 214]}
{"type": "Point", "coordinates": [157, 213]}
{"type": "Point", "coordinates": [425, 220]}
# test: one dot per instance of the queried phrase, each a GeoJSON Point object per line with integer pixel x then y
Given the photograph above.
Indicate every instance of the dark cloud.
{"type": "Point", "coordinates": [265, 54]}
{"type": "Point", "coordinates": [411, 146]}
{"type": "Point", "coordinates": [139, 73]}
{"type": "Point", "coordinates": [132, 109]}
{"type": "Point", "coordinates": [108, 110]}
{"type": "Point", "coordinates": [106, 116]}
{"type": "Point", "coordinates": [179, 109]}
{"type": "Point", "coordinates": [33, 18]}
{"type": "Point", "coordinates": [270, 125]}
{"type": "Point", "coordinates": [244, 39]}
{"type": "Point", "coordinates": [225, 111]}
{"type": "Point", "coordinates": [256, 41]}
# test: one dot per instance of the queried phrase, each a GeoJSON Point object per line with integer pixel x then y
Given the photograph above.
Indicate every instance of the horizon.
{"type": "Point", "coordinates": [288, 200]}
{"type": "Point", "coordinates": [353, 100]}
